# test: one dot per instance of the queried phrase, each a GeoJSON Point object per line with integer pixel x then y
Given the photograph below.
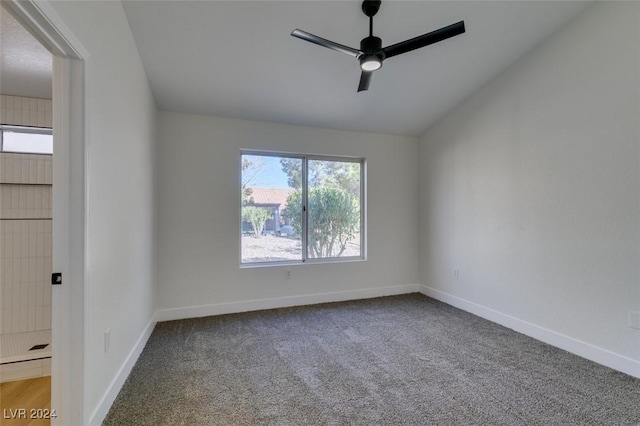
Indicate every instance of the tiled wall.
{"type": "Point", "coordinates": [25, 168]}
{"type": "Point", "coordinates": [25, 224]}
{"type": "Point", "coordinates": [25, 242]}
{"type": "Point", "coordinates": [22, 111]}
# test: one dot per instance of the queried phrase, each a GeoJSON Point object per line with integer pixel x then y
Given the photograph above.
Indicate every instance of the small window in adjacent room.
{"type": "Point", "coordinates": [26, 140]}
{"type": "Point", "coordinates": [301, 208]}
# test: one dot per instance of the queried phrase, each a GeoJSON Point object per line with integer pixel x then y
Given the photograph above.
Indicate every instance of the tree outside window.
{"type": "Point", "coordinates": [324, 210]}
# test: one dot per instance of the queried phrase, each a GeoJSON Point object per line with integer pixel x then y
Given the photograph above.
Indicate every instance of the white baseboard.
{"type": "Point", "coordinates": [282, 302]}
{"type": "Point", "coordinates": [101, 411]}
{"type": "Point", "coordinates": [569, 344]}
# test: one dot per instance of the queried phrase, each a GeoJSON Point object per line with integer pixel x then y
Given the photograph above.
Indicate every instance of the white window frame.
{"type": "Point", "coordinates": [305, 159]}
{"type": "Point", "coordinates": [23, 129]}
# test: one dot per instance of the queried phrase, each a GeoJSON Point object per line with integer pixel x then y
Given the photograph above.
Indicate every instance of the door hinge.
{"type": "Point", "coordinates": [56, 278]}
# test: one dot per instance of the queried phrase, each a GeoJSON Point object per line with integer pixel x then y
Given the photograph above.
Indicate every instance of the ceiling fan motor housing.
{"type": "Point", "coordinates": [371, 46]}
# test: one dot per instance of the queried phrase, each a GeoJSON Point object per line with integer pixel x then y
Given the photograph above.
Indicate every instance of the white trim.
{"type": "Point", "coordinates": [559, 340]}
{"type": "Point", "coordinates": [281, 302]}
{"type": "Point", "coordinates": [26, 129]}
{"type": "Point", "coordinates": [101, 411]}
{"type": "Point", "coordinates": [69, 245]}
{"type": "Point", "coordinates": [39, 18]}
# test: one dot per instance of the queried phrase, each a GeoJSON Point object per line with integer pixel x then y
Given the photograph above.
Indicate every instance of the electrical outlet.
{"type": "Point", "coordinates": [634, 319]}
{"type": "Point", "coordinates": [456, 273]}
{"type": "Point", "coordinates": [288, 275]}
{"type": "Point", "coordinates": [107, 340]}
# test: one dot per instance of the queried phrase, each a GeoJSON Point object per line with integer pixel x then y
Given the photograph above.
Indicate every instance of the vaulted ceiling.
{"type": "Point", "coordinates": [237, 58]}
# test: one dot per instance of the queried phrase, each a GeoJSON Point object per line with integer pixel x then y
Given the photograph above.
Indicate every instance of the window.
{"type": "Point", "coordinates": [301, 208]}
{"type": "Point", "coordinates": [26, 140]}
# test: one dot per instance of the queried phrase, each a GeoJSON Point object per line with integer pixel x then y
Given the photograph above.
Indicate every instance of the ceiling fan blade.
{"type": "Point", "coordinates": [365, 79]}
{"type": "Point", "coordinates": [424, 40]}
{"type": "Point", "coordinates": [326, 43]}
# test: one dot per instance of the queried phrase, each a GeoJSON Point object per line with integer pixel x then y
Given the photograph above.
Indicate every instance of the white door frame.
{"type": "Point", "coordinates": [68, 393]}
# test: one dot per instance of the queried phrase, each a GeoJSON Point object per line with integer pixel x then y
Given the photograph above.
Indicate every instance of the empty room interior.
{"type": "Point", "coordinates": [318, 212]}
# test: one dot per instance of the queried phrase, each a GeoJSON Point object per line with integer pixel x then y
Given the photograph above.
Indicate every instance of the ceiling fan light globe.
{"type": "Point", "coordinates": [370, 63]}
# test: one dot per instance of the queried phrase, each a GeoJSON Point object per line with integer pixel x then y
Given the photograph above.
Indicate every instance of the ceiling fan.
{"type": "Point", "coordinates": [371, 53]}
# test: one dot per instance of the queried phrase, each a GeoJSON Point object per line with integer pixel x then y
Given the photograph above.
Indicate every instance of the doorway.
{"type": "Point", "coordinates": [26, 148]}
{"type": "Point", "coordinates": [67, 205]}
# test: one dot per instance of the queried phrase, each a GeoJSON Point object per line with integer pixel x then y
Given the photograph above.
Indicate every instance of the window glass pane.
{"type": "Point", "coordinates": [334, 209]}
{"type": "Point", "coordinates": [27, 142]}
{"type": "Point", "coordinates": [271, 209]}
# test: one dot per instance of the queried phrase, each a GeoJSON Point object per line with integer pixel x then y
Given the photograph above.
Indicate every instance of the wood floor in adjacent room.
{"type": "Point", "coordinates": [33, 395]}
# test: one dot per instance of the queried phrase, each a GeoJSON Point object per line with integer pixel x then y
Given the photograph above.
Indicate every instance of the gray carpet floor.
{"type": "Point", "coordinates": [387, 361]}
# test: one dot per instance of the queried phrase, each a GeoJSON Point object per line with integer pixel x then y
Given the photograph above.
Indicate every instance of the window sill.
{"type": "Point", "coordinates": [301, 263]}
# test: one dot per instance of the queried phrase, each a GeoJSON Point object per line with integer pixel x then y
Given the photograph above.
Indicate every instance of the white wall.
{"type": "Point", "coordinates": [531, 188]}
{"type": "Point", "coordinates": [199, 210]}
{"type": "Point", "coordinates": [120, 154]}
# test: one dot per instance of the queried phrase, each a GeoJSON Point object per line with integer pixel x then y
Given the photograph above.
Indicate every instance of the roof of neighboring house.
{"type": "Point", "coordinates": [273, 196]}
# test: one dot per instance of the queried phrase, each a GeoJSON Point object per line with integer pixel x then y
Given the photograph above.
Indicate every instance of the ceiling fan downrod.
{"type": "Point", "coordinates": [370, 8]}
